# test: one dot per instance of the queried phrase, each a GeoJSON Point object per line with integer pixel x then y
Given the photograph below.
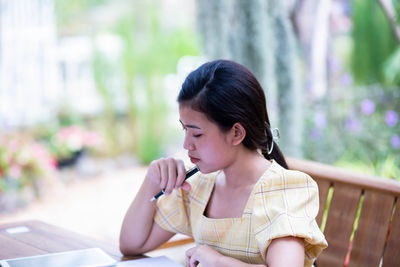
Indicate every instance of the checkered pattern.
{"type": "Point", "coordinates": [282, 203]}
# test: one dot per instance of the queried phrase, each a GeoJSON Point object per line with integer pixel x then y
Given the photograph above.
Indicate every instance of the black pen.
{"type": "Point", "coordinates": [189, 173]}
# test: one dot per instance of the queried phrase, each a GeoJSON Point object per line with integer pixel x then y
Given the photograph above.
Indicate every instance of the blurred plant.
{"type": "Point", "coordinates": [148, 46]}
{"type": "Point", "coordinates": [357, 125]}
{"type": "Point", "coordinates": [67, 116]}
{"type": "Point", "coordinates": [23, 162]}
{"type": "Point", "coordinates": [392, 68]}
{"type": "Point", "coordinates": [149, 51]}
{"type": "Point", "coordinates": [71, 14]}
{"type": "Point", "coordinates": [70, 141]}
{"type": "Point", "coordinates": [362, 132]}
{"type": "Point", "coordinates": [373, 44]}
{"type": "Point", "coordinates": [102, 69]}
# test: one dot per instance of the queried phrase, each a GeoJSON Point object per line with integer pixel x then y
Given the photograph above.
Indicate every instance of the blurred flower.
{"type": "Point", "coordinates": [346, 79]}
{"type": "Point", "coordinates": [395, 141]}
{"type": "Point", "coordinates": [320, 120]}
{"type": "Point", "coordinates": [308, 86]}
{"type": "Point", "coordinates": [367, 107]}
{"type": "Point", "coordinates": [352, 124]}
{"type": "Point", "coordinates": [47, 161]}
{"type": "Point", "coordinates": [23, 160]}
{"type": "Point", "coordinates": [334, 64]}
{"type": "Point", "coordinates": [315, 134]}
{"type": "Point", "coordinates": [91, 139]}
{"type": "Point", "coordinates": [347, 8]}
{"type": "Point", "coordinates": [391, 118]}
{"type": "Point", "coordinates": [15, 171]}
{"type": "Point", "coordinates": [71, 136]}
{"type": "Point", "coordinates": [69, 140]}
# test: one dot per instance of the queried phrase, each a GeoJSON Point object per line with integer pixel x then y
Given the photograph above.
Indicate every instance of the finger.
{"type": "Point", "coordinates": [181, 173]}
{"type": "Point", "coordinates": [187, 261]}
{"type": "Point", "coordinates": [171, 176]}
{"type": "Point", "coordinates": [153, 172]}
{"type": "Point", "coordinates": [193, 262]}
{"type": "Point", "coordinates": [186, 186]}
{"type": "Point", "coordinates": [188, 255]}
{"type": "Point", "coordinates": [190, 251]}
{"type": "Point", "coordinates": [163, 174]}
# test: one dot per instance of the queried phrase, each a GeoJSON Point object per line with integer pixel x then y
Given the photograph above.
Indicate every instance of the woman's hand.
{"type": "Point", "coordinates": [202, 254]}
{"type": "Point", "coordinates": [209, 257]}
{"type": "Point", "coordinates": [168, 174]}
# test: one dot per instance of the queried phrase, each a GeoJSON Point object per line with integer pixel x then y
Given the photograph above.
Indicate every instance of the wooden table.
{"type": "Point", "coordinates": [35, 237]}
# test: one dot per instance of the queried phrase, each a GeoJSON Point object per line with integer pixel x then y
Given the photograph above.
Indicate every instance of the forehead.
{"type": "Point", "coordinates": [189, 116]}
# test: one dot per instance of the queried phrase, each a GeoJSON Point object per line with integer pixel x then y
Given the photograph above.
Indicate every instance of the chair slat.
{"type": "Point", "coordinates": [391, 256]}
{"type": "Point", "coordinates": [369, 239]}
{"type": "Point", "coordinates": [323, 188]}
{"type": "Point", "coordinates": [339, 224]}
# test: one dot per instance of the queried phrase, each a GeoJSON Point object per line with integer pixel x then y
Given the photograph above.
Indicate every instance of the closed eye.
{"type": "Point", "coordinates": [197, 135]}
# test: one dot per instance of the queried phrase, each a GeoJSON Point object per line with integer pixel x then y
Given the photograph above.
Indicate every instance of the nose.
{"type": "Point", "coordinates": [187, 144]}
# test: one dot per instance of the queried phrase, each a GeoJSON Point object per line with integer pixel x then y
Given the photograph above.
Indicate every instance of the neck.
{"type": "Point", "coordinates": [246, 169]}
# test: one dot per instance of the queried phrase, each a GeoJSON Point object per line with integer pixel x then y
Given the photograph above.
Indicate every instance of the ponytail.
{"type": "Point", "coordinates": [270, 149]}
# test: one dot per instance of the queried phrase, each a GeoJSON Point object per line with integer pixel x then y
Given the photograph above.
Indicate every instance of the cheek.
{"type": "Point", "coordinates": [205, 150]}
{"type": "Point", "coordinates": [214, 155]}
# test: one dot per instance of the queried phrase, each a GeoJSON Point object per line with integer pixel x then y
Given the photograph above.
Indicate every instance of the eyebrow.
{"type": "Point", "coordinates": [190, 125]}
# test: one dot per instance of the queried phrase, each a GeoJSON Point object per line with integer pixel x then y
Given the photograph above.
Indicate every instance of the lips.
{"type": "Point", "coordinates": [194, 160]}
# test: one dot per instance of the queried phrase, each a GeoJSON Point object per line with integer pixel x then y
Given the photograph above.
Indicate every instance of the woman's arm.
{"type": "Point", "coordinates": [139, 232]}
{"type": "Point", "coordinates": [285, 251]}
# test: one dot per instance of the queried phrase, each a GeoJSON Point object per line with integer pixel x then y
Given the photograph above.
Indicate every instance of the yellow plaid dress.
{"type": "Point", "coordinates": [282, 203]}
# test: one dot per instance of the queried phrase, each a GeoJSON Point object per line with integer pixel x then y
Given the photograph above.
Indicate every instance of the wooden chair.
{"type": "Point", "coordinates": [359, 215]}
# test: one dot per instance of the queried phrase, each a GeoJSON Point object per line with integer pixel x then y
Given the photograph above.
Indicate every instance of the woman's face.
{"type": "Point", "coordinates": [208, 147]}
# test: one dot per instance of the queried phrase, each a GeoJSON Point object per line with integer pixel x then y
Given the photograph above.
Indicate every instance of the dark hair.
{"type": "Point", "coordinates": [227, 93]}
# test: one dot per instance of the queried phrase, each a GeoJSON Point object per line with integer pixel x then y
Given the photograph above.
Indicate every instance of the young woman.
{"type": "Point", "coordinates": [244, 207]}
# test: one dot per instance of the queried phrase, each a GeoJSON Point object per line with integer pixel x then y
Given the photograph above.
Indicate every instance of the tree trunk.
{"type": "Point", "coordinates": [258, 34]}
{"type": "Point", "coordinates": [319, 48]}
{"type": "Point", "coordinates": [289, 93]}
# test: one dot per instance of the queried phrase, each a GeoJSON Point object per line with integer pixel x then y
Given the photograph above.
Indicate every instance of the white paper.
{"type": "Point", "coordinates": [81, 257]}
{"type": "Point", "coordinates": [17, 230]}
{"type": "Point", "coordinates": [161, 261]}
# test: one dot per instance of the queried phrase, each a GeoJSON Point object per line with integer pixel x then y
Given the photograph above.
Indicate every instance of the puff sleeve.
{"type": "Point", "coordinates": [286, 204]}
{"type": "Point", "coordinates": [172, 214]}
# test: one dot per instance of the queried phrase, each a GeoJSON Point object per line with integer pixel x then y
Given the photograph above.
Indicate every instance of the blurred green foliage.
{"type": "Point", "coordinates": [357, 125]}
{"type": "Point", "coordinates": [71, 13]}
{"type": "Point", "coordinates": [24, 163]}
{"type": "Point", "coordinates": [149, 53]}
{"type": "Point", "coordinates": [391, 68]}
{"type": "Point", "coordinates": [367, 115]}
{"type": "Point", "coordinates": [150, 49]}
{"type": "Point", "coordinates": [361, 131]}
{"type": "Point", "coordinates": [374, 42]}
{"type": "Point", "coordinates": [343, 134]}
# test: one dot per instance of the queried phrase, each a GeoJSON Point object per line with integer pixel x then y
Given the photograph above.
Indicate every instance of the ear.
{"type": "Point", "coordinates": [238, 133]}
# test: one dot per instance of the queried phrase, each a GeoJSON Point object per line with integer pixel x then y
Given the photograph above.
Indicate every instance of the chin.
{"type": "Point", "coordinates": [207, 169]}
